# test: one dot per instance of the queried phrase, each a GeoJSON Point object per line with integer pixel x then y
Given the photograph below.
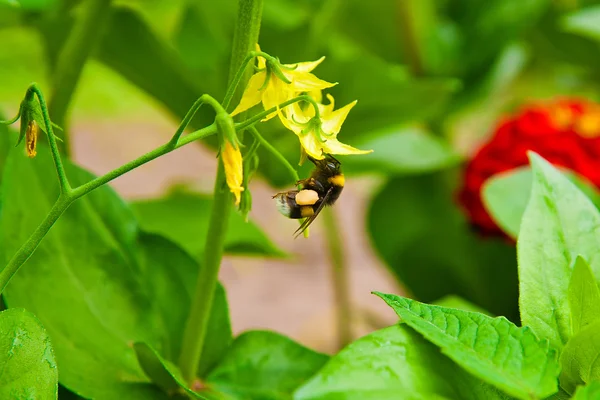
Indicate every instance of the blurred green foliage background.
{"type": "Point", "coordinates": [432, 78]}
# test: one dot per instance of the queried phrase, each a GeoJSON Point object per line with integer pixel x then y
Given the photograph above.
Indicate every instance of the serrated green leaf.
{"type": "Point", "coordinates": [493, 349]}
{"type": "Point", "coordinates": [579, 359]}
{"type": "Point", "coordinates": [27, 365]}
{"type": "Point", "coordinates": [583, 295]}
{"type": "Point", "coordinates": [591, 391]}
{"type": "Point", "coordinates": [395, 363]}
{"type": "Point", "coordinates": [506, 195]}
{"type": "Point", "coordinates": [183, 218]}
{"type": "Point", "coordinates": [559, 224]}
{"type": "Point", "coordinates": [585, 22]}
{"type": "Point", "coordinates": [162, 372]}
{"type": "Point", "coordinates": [264, 365]}
{"type": "Point", "coordinates": [432, 237]}
{"type": "Point", "coordinates": [105, 285]}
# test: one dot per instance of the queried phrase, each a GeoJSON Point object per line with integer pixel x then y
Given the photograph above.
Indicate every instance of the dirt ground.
{"type": "Point", "coordinates": [293, 297]}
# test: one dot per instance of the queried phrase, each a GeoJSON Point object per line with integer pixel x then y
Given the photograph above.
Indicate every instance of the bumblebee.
{"type": "Point", "coordinates": [321, 189]}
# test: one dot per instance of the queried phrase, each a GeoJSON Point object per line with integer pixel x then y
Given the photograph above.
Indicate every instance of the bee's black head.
{"type": "Point", "coordinates": [328, 165]}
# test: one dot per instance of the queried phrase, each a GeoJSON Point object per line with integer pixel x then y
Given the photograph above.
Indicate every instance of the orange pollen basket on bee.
{"type": "Point", "coordinates": [31, 138]}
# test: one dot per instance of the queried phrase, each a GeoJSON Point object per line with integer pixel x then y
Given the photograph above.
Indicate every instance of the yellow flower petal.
{"type": "Point", "coordinates": [317, 95]}
{"type": "Point", "coordinates": [234, 174]}
{"type": "Point", "coordinates": [262, 64]}
{"type": "Point", "coordinates": [288, 122]}
{"type": "Point", "coordinates": [311, 145]}
{"type": "Point", "coordinates": [333, 146]}
{"type": "Point", "coordinates": [306, 66]}
{"type": "Point", "coordinates": [325, 110]}
{"type": "Point", "coordinates": [295, 113]}
{"type": "Point", "coordinates": [332, 123]}
{"type": "Point", "coordinates": [305, 82]}
{"type": "Point", "coordinates": [252, 94]}
{"type": "Point", "coordinates": [275, 94]}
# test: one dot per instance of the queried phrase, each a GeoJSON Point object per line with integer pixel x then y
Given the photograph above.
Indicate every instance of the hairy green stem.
{"type": "Point", "coordinates": [339, 277]}
{"type": "Point", "coordinates": [275, 152]}
{"type": "Point", "coordinates": [245, 38]}
{"type": "Point", "coordinates": [80, 43]}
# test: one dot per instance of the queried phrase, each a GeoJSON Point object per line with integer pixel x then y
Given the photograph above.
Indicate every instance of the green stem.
{"type": "Point", "coordinates": [159, 151]}
{"type": "Point", "coordinates": [197, 323]}
{"type": "Point", "coordinates": [257, 117]}
{"type": "Point", "coordinates": [410, 36]}
{"type": "Point", "coordinates": [275, 152]}
{"type": "Point", "coordinates": [339, 277]}
{"type": "Point", "coordinates": [14, 119]}
{"type": "Point", "coordinates": [65, 187]}
{"type": "Point", "coordinates": [245, 38]}
{"type": "Point", "coordinates": [79, 45]}
{"type": "Point", "coordinates": [34, 240]}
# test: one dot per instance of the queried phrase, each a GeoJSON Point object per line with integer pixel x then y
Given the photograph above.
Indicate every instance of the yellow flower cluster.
{"type": "Point", "coordinates": [275, 84]}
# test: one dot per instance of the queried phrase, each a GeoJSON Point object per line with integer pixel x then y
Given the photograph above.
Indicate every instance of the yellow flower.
{"type": "Point", "coordinates": [234, 174]}
{"type": "Point", "coordinates": [267, 87]}
{"type": "Point", "coordinates": [319, 136]}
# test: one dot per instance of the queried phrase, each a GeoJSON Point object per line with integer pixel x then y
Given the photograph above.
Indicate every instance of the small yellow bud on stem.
{"type": "Point", "coordinates": [31, 136]}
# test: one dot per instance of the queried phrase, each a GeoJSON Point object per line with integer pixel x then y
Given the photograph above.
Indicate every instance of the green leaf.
{"type": "Point", "coordinates": [591, 391]}
{"type": "Point", "coordinates": [402, 150]}
{"type": "Point", "coordinates": [27, 364]}
{"type": "Point", "coordinates": [395, 363]}
{"type": "Point", "coordinates": [165, 282]}
{"type": "Point", "coordinates": [10, 3]}
{"type": "Point", "coordinates": [559, 224]}
{"type": "Point", "coordinates": [264, 365]}
{"type": "Point", "coordinates": [33, 5]}
{"type": "Point", "coordinates": [431, 237]}
{"type": "Point", "coordinates": [452, 301]}
{"type": "Point", "coordinates": [132, 49]}
{"type": "Point", "coordinates": [203, 38]}
{"type": "Point", "coordinates": [583, 295]}
{"type": "Point", "coordinates": [162, 372]}
{"type": "Point", "coordinates": [506, 195]}
{"type": "Point", "coordinates": [493, 349]}
{"type": "Point", "coordinates": [579, 359]}
{"type": "Point", "coordinates": [183, 218]}
{"type": "Point", "coordinates": [560, 395]}
{"type": "Point", "coordinates": [105, 285]}
{"type": "Point", "coordinates": [379, 107]}
{"type": "Point", "coordinates": [584, 22]}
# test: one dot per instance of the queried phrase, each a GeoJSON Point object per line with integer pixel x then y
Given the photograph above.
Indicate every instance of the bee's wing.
{"type": "Point", "coordinates": [310, 219]}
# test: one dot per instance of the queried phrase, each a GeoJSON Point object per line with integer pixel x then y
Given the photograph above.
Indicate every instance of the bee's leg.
{"type": "Point", "coordinates": [279, 194]}
{"type": "Point", "coordinates": [306, 182]}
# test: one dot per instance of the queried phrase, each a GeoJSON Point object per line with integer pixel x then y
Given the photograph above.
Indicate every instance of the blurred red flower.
{"type": "Point", "coordinates": [565, 132]}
